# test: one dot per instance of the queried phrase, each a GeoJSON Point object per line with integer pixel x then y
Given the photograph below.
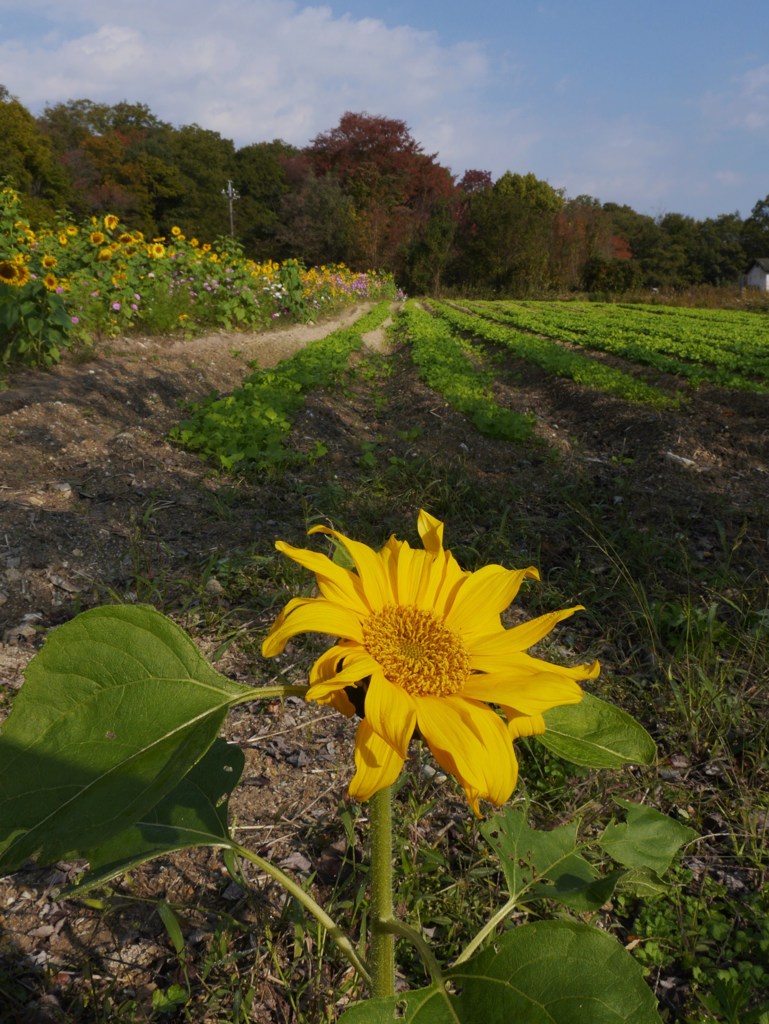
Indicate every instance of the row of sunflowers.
{"type": "Point", "coordinates": [73, 283]}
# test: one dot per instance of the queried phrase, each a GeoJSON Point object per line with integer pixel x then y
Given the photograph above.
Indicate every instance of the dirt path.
{"type": "Point", "coordinates": [83, 449]}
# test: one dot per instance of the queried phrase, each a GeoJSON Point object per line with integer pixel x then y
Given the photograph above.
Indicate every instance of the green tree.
{"type": "Point", "coordinates": [205, 162]}
{"type": "Point", "coordinates": [673, 257]}
{"type": "Point", "coordinates": [755, 232]}
{"type": "Point", "coordinates": [27, 159]}
{"type": "Point", "coordinates": [507, 236]}
{"type": "Point", "coordinates": [263, 182]}
{"type": "Point", "coordinates": [432, 249]}
{"type": "Point", "coordinates": [317, 221]}
{"type": "Point", "coordinates": [644, 237]}
{"type": "Point", "coordinates": [718, 252]}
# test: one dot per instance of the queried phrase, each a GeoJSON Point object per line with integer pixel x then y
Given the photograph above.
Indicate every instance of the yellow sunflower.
{"type": "Point", "coordinates": [8, 272]}
{"type": "Point", "coordinates": [22, 274]}
{"type": "Point", "coordinates": [111, 222]}
{"type": "Point", "coordinates": [49, 262]}
{"type": "Point", "coordinates": [97, 238]}
{"type": "Point", "coordinates": [51, 282]}
{"type": "Point", "coordinates": [421, 645]}
{"type": "Point", "coordinates": [156, 250]}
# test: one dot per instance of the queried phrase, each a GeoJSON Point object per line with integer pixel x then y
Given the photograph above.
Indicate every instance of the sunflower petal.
{"type": "Point", "coordinates": [528, 696]}
{"type": "Point", "coordinates": [403, 566]}
{"type": "Point", "coordinates": [348, 661]}
{"type": "Point", "coordinates": [430, 531]}
{"type": "Point", "coordinates": [523, 725]}
{"type": "Point", "coordinates": [484, 595]}
{"type": "Point", "coordinates": [531, 632]}
{"type": "Point", "coordinates": [369, 566]}
{"type": "Point", "coordinates": [311, 615]}
{"type": "Point", "coordinates": [336, 584]}
{"type": "Point", "coordinates": [341, 702]}
{"type": "Point", "coordinates": [391, 712]}
{"type": "Point", "coordinates": [376, 763]}
{"type": "Point", "coordinates": [472, 742]}
{"type": "Point", "coordinates": [501, 653]}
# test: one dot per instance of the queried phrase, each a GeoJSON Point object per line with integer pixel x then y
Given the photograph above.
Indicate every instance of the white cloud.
{"type": "Point", "coordinates": [250, 71]}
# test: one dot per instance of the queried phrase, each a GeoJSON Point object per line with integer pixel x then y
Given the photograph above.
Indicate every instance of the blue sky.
{"type": "Point", "coordinates": [660, 105]}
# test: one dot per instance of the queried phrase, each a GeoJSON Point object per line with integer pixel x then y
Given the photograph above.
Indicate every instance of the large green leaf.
{"type": "Point", "coordinates": [116, 708]}
{"type": "Point", "coordinates": [550, 972]}
{"type": "Point", "coordinates": [545, 864]}
{"type": "Point", "coordinates": [596, 734]}
{"type": "Point", "coordinates": [194, 813]}
{"type": "Point", "coordinates": [647, 840]}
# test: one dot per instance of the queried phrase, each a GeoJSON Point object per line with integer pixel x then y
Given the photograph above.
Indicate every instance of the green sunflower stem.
{"type": "Point", "coordinates": [382, 951]}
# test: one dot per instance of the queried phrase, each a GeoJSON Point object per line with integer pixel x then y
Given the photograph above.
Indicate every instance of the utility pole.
{"type": "Point", "coordinates": [232, 196]}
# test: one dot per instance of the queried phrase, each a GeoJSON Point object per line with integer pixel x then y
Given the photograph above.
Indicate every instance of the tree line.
{"type": "Point", "coordinates": [364, 193]}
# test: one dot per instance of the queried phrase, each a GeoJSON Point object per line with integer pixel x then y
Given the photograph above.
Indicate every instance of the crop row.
{"type": "Point", "coordinates": [732, 351]}
{"type": "Point", "coordinates": [449, 365]}
{"type": "Point", "coordinates": [556, 359]}
{"type": "Point", "coordinates": [249, 426]}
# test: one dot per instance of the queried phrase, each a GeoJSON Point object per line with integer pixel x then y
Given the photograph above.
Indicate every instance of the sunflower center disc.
{"type": "Point", "coordinates": [416, 651]}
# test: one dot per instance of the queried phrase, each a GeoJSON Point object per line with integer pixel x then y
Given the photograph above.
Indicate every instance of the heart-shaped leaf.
{"type": "Point", "coordinates": [545, 864]}
{"type": "Point", "coordinates": [550, 972]}
{"type": "Point", "coordinates": [116, 708]}
{"type": "Point", "coordinates": [194, 813]}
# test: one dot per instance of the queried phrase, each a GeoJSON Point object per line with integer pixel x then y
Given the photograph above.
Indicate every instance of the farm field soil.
{"type": "Point", "coordinates": [97, 506]}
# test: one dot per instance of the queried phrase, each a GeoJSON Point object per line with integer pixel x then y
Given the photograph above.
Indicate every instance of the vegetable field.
{"type": "Point", "coordinates": [719, 346]}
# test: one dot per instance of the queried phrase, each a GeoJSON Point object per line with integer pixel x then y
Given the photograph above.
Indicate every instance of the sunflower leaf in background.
{"type": "Point", "coordinates": [596, 734]}
{"type": "Point", "coordinates": [648, 839]}
{"type": "Point", "coordinates": [546, 864]}
{"type": "Point", "coordinates": [550, 972]}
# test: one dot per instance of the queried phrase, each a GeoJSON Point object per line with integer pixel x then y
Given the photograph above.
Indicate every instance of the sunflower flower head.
{"type": "Point", "coordinates": [421, 645]}
{"type": "Point", "coordinates": [8, 272]}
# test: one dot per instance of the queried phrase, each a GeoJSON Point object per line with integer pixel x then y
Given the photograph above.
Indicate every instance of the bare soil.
{"type": "Point", "coordinates": [97, 505]}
